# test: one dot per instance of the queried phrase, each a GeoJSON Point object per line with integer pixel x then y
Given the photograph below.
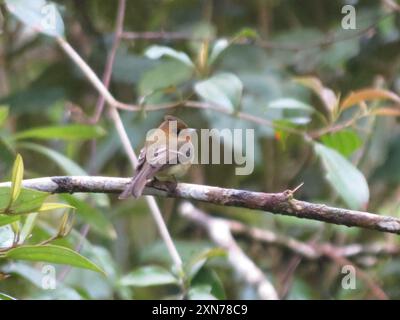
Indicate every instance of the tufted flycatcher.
{"type": "Point", "coordinates": [167, 154]}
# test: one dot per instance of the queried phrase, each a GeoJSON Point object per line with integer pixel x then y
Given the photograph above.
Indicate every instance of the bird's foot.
{"type": "Point", "coordinates": [167, 186]}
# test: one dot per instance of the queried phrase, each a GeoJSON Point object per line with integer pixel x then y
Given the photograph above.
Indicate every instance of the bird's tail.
{"type": "Point", "coordinates": [136, 186]}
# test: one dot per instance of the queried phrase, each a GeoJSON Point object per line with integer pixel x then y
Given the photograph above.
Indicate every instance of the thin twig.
{"type": "Point", "coordinates": [276, 203]}
{"type": "Point", "coordinates": [312, 251]}
{"type": "Point", "coordinates": [114, 104]}
{"type": "Point", "coordinates": [110, 59]}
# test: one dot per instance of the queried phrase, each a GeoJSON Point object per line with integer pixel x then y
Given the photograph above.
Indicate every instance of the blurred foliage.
{"type": "Point", "coordinates": [326, 103]}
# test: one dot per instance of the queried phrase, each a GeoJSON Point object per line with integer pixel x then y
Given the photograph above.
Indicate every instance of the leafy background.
{"type": "Point", "coordinates": [287, 63]}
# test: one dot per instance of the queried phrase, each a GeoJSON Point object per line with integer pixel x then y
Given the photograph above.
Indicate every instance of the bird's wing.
{"type": "Point", "coordinates": [141, 159]}
{"type": "Point", "coordinates": [147, 169]}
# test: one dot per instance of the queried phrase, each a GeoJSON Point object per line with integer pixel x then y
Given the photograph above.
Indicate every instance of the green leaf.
{"type": "Point", "coordinates": [52, 254]}
{"type": "Point", "coordinates": [164, 75]}
{"type": "Point", "coordinates": [92, 216]}
{"type": "Point", "coordinates": [247, 33]}
{"type": "Point", "coordinates": [224, 90]}
{"type": "Point", "coordinates": [4, 296]}
{"type": "Point", "coordinates": [156, 52]}
{"type": "Point", "coordinates": [219, 46]}
{"type": "Point", "coordinates": [7, 219]}
{"type": "Point", "coordinates": [207, 276]}
{"type": "Point", "coordinates": [148, 276]}
{"type": "Point", "coordinates": [16, 228]}
{"type": "Point", "coordinates": [69, 166]}
{"type": "Point", "coordinates": [53, 206]}
{"type": "Point", "coordinates": [197, 262]}
{"type": "Point", "coordinates": [344, 177]}
{"type": "Point", "coordinates": [69, 132]}
{"type": "Point", "coordinates": [345, 141]}
{"type": "Point", "coordinates": [27, 227]}
{"type": "Point", "coordinates": [41, 15]}
{"type": "Point", "coordinates": [3, 114]}
{"type": "Point", "coordinates": [16, 179]}
{"type": "Point", "coordinates": [28, 201]}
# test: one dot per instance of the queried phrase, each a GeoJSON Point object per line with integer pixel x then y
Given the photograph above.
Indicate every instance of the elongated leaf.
{"type": "Point", "coordinates": [207, 276]}
{"type": "Point", "coordinates": [41, 15]}
{"type": "Point", "coordinates": [27, 227]}
{"type": "Point", "coordinates": [388, 112]}
{"type": "Point", "coordinates": [16, 228]}
{"type": "Point", "coordinates": [69, 167]}
{"type": "Point", "coordinates": [92, 216]}
{"type": "Point", "coordinates": [156, 52]}
{"type": "Point", "coordinates": [3, 114]}
{"type": "Point", "coordinates": [344, 177]}
{"type": "Point", "coordinates": [16, 179]}
{"type": "Point", "coordinates": [148, 276]}
{"type": "Point", "coordinates": [52, 254]}
{"type": "Point", "coordinates": [53, 206]}
{"type": "Point", "coordinates": [368, 95]}
{"type": "Point", "coordinates": [70, 132]}
{"type": "Point", "coordinates": [224, 89]}
{"type": "Point", "coordinates": [28, 201]}
{"type": "Point", "coordinates": [7, 219]}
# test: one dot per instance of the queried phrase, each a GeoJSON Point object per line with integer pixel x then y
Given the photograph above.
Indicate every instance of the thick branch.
{"type": "Point", "coordinates": [277, 203]}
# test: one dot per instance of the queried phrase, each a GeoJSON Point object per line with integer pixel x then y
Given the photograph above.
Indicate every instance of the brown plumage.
{"type": "Point", "coordinates": [166, 162]}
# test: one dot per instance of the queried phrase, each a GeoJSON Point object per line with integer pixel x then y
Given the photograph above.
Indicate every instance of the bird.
{"type": "Point", "coordinates": [167, 154]}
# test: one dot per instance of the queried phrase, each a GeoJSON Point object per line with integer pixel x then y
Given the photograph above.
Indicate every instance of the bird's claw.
{"type": "Point", "coordinates": [167, 186]}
